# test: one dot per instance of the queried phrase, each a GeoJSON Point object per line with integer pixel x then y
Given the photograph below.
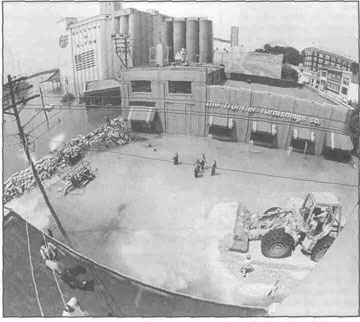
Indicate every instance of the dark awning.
{"type": "Point", "coordinates": [338, 141]}
{"type": "Point", "coordinates": [304, 134]}
{"type": "Point", "coordinates": [142, 113]}
{"type": "Point", "coordinates": [101, 85]}
{"type": "Point", "coordinates": [265, 127]}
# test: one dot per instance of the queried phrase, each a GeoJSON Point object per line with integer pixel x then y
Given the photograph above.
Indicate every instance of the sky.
{"type": "Point", "coordinates": [31, 33]}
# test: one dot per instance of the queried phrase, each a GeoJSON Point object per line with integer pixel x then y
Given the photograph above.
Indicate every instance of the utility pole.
{"type": "Point", "coordinates": [24, 141]}
{"type": "Point", "coordinates": [126, 53]}
{"type": "Point", "coordinates": [43, 105]}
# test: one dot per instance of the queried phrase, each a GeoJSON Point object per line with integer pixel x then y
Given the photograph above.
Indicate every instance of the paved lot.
{"type": "Point", "coordinates": [154, 221]}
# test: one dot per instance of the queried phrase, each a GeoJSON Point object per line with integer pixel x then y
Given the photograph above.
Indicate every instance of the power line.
{"type": "Point", "coordinates": [191, 101]}
{"type": "Point", "coordinates": [231, 170]}
{"type": "Point", "coordinates": [121, 109]}
{"type": "Point", "coordinates": [224, 169]}
{"type": "Point", "coordinates": [32, 270]}
{"type": "Point", "coordinates": [25, 143]}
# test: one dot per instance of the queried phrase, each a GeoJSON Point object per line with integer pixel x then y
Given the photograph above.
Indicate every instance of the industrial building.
{"type": "Point", "coordinates": [98, 48]}
{"type": "Point", "coordinates": [192, 101]}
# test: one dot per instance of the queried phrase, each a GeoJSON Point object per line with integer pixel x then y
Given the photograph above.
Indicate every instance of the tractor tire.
{"type": "Point", "coordinates": [277, 244]}
{"type": "Point", "coordinates": [321, 248]}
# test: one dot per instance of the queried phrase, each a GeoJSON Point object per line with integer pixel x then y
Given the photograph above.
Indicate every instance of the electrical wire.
{"type": "Point", "coordinates": [191, 101]}
{"type": "Point", "coordinates": [231, 170]}
{"type": "Point", "coordinates": [120, 109]}
{"type": "Point", "coordinates": [224, 169]}
{"type": "Point", "coordinates": [55, 278]}
{"type": "Point", "coordinates": [32, 270]}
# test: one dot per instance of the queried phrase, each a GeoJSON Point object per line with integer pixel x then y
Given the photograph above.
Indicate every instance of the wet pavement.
{"type": "Point", "coordinates": [152, 220]}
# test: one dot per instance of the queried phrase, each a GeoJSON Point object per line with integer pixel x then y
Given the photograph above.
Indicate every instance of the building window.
{"type": "Point", "coordinates": [141, 86]}
{"type": "Point", "coordinates": [323, 74]}
{"type": "Point", "coordinates": [178, 87]}
{"type": "Point", "coordinates": [344, 90]}
{"type": "Point", "coordinates": [346, 81]}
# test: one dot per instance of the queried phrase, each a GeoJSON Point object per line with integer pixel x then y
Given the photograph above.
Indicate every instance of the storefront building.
{"type": "Point", "coordinates": [191, 101]}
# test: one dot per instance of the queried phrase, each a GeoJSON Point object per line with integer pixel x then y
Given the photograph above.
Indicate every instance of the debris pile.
{"type": "Point", "coordinates": [67, 155]}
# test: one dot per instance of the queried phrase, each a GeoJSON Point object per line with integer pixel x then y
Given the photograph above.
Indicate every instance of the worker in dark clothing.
{"type": "Point", "coordinates": [213, 168]}
{"type": "Point", "coordinates": [196, 170]}
{"type": "Point", "coordinates": [203, 162]}
{"type": "Point", "coordinates": [176, 158]}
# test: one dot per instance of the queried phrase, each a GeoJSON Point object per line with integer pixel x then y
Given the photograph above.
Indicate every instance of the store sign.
{"type": "Point", "coordinates": [261, 110]}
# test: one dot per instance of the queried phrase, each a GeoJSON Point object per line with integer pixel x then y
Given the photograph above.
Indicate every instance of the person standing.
{"type": "Point", "coordinates": [176, 158]}
{"type": "Point", "coordinates": [213, 168]}
{"type": "Point", "coordinates": [203, 162]}
{"type": "Point", "coordinates": [196, 170]}
{"type": "Point", "coordinates": [246, 266]}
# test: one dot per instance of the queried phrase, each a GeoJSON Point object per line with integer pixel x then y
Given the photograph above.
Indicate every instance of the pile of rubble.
{"type": "Point", "coordinates": [68, 154]}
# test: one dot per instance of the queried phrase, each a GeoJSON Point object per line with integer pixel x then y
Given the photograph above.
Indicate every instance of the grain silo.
{"type": "Point", "coordinates": [115, 24]}
{"type": "Point", "coordinates": [149, 35]}
{"type": "Point", "coordinates": [205, 41]}
{"type": "Point", "coordinates": [167, 37]}
{"type": "Point", "coordinates": [192, 39]}
{"type": "Point", "coordinates": [179, 34]}
{"type": "Point", "coordinates": [157, 28]}
{"type": "Point", "coordinates": [134, 31]}
{"type": "Point", "coordinates": [124, 24]}
{"type": "Point", "coordinates": [143, 38]}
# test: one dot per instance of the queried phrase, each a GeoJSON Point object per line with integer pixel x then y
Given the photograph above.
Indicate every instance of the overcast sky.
{"type": "Point", "coordinates": [31, 32]}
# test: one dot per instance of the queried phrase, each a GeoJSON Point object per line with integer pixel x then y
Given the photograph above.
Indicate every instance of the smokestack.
{"type": "Point", "coordinates": [234, 38]}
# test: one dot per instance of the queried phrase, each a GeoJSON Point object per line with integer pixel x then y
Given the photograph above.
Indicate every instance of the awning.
{"type": "Point", "coordinates": [338, 141]}
{"type": "Point", "coordinates": [221, 121]}
{"type": "Point", "coordinates": [264, 127]}
{"type": "Point", "coordinates": [304, 134]}
{"type": "Point", "coordinates": [142, 113]}
{"type": "Point", "coordinates": [102, 85]}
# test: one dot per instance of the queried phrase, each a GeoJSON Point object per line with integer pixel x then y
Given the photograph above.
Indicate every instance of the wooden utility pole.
{"type": "Point", "coordinates": [43, 105]}
{"type": "Point", "coordinates": [15, 113]}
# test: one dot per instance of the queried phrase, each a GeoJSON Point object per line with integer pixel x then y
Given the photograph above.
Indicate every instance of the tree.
{"type": "Point", "coordinates": [289, 73]}
{"type": "Point", "coordinates": [291, 55]}
{"type": "Point", "coordinates": [354, 68]}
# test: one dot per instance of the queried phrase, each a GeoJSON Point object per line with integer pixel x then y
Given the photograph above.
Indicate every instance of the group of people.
{"type": "Point", "coordinates": [199, 165]}
{"type": "Point", "coordinates": [50, 254]}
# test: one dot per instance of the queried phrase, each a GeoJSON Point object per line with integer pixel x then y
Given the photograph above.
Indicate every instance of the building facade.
{"type": "Point", "coordinates": [98, 48]}
{"type": "Point", "coordinates": [190, 101]}
{"type": "Point", "coordinates": [329, 72]}
{"type": "Point", "coordinates": [315, 58]}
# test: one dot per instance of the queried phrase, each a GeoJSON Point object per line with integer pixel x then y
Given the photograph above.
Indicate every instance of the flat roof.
{"type": "Point", "coordinates": [303, 93]}
{"type": "Point", "coordinates": [174, 67]}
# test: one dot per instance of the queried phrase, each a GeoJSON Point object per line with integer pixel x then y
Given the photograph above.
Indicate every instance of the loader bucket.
{"type": "Point", "coordinates": [241, 243]}
{"type": "Point", "coordinates": [241, 229]}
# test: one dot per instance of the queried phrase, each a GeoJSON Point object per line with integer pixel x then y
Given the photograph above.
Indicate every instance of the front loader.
{"type": "Point", "coordinates": [314, 226]}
